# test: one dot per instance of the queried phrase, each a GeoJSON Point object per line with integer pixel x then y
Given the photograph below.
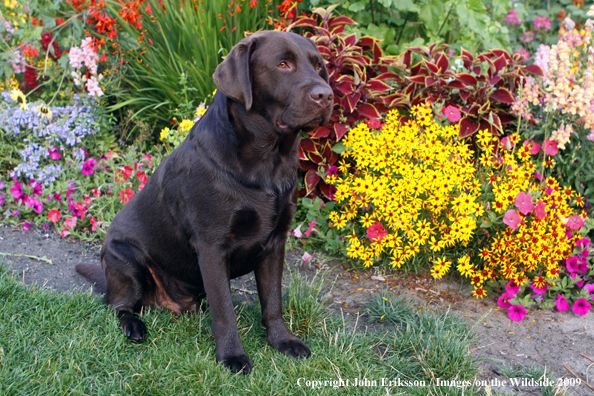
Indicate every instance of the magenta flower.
{"type": "Point", "coordinates": [38, 190]}
{"type": "Point", "coordinates": [550, 147]}
{"type": "Point", "coordinates": [512, 18]}
{"type": "Point", "coordinates": [16, 190]}
{"type": "Point", "coordinates": [582, 242]}
{"type": "Point", "coordinates": [527, 37]}
{"type": "Point", "coordinates": [575, 223]}
{"type": "Point", "coordinates": [581, 307]}
{"type": "Point", "coordinates": [512, 219]}
{"type": "Point", "coordinates": [538, 290]}
{"type": "Point", "coordinates": [26, 226]}
{"type": "Point", "coordinates": [524, 203]}
{"type": "Point", "coordinates": [88, 167]}
{"type": "Point", "coordinates": [333, 171]}
{"type": "Point", "coordinates": [542, 22]}
{"type": "Point", "coordinates": [516, 313]}
{"type": "Point", "coordinates": [503, 300]}
{"type": "Point", "coordinates": [54, 153]}
{"type": "Point", "coordinates": [512, 287]}
{"type": "Point", "coordinates": [590, 289]}
{"type": "Point", "coordinates": [540, 210]}
{"type": "Point", "coordinates": [561, 303]}
{"type": "Point", "coordinates": [452, 113]}
{"type": "Point", "coordinates": [310, 228]}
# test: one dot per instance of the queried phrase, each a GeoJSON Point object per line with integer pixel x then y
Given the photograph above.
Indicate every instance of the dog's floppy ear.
{"type": "Point", "coordinates": [232, 76]}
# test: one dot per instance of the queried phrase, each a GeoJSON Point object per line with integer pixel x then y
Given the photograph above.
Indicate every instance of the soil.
{"type": "Point", "coordinates": [559, 341]}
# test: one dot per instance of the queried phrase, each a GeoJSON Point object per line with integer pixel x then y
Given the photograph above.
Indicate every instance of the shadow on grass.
{"type": "Point", "coordinates": [70, 344]}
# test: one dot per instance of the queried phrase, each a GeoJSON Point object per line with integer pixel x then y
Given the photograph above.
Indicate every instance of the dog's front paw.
{"type": "Point", "coordinates": [134, 328]}
{"type": "Point", "coordinates": [294, 347]}
{"type": "Point", "coordinates": [236, 364]}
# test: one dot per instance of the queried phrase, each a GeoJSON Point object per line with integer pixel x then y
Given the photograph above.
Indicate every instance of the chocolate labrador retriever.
{"type": "Point", "coordinates": [220, 206]}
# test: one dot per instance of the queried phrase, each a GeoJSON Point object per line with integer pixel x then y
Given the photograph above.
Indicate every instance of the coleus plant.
{"type": "Point", "coordinates": [482, 87]}
{"type": "Point", "coordinates": [357, 75]}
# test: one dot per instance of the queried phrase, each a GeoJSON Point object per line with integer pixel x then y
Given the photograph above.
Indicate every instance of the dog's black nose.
{"type": "Point", "coordinates": [322, 95]}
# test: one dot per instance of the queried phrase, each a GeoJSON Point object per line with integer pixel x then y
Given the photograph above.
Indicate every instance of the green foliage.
{"type": "Point", "coordinates": [473, 24]}
{"type": "Point", "coordinates": [184, 40]}
{"type": "Point", "coordinates": [304, 311]}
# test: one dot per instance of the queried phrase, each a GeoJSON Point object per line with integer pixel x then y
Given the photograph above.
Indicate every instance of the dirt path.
{"type": "Point", "coordinates": [544, 337]}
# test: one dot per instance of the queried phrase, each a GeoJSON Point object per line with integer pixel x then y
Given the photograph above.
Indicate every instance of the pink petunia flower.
{"type": "Point", "coordinates": [70, 222]}
{"type": "Point", "coordinates": [581, 307]}
{"type": "Point", "coordinates": [516, 313]}
{"type": "Point", "coordinates": [93, 224]}
{"type": "Point", "coordinates": [503, 300]}
{"type": "Point", "coordinates": [376, 232]}
{"type": "Point", "coordinates": [297, 232]}
{"type": "Point", "coordinates": [534, 147]}
{"type": "Point", "coordinates": [311, 228]}
{"type": "Point", "coordinates": [550, 147]}
{"type": "Point", "coordinates": [512, 287]}
{"type": "Point", "coordinates": [562, 304]}
{"type": "Point", "coordinates": [582, 242]}
{"type": "Point", "coordinates": [524, 203]}
{"type": "Point", "coordinates": [307, 257]}
{"type": "Point", "coordinates": [538, 290]}
{"type": "Point", "coordinates": [65, 232]}
{"type": "Point", "coordinates": [575, 223]}
{"type": "Point", "coordinates": [89, 167]}
{"type": "Point", "coordinates": [512, 219]}
{"type": "Point", "coordinates": [16, 190]}
{"type": "Point", "coordinates": [540, 210]}
{"type": "Point", "coordinates": [452, 113]}
{"type": "Point", "coordinates": [126, 195]}
{"type": "Point", "coordinates": [590, 289]}
{"type": "Point", "coordinates": [55, 154]}
{"type": "Point", "coordinates": [26, 226]}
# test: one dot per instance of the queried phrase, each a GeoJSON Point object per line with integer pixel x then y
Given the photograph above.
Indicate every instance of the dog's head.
{"type": "Point", "coordinates": [280, 76]}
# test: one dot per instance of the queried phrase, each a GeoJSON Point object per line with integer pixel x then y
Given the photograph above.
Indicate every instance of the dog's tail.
{"type": "Point", "coordinates": [95, 274]}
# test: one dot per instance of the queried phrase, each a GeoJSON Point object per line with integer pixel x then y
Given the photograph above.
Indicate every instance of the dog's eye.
{"type": "Point", "coordinates": [283, 65]}
{"type": "Point", "coordinates": [318, 67]}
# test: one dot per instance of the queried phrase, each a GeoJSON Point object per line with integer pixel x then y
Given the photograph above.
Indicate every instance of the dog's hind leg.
{"type": "Point", "coordinates": [124, 290]}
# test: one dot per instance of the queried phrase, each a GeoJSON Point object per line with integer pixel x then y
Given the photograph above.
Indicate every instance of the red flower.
{"type": "Point", "coordinates": [148, 9]}
{"type": "Point", "coordinates": [54, 215]}
{"type": "Point", "coordinates": [80, 207]}
{"type": "Point", "coordinates": [148, 160]}
{"type": "Point", "coordinates": [143, 179]}
{"type": "Point", "coordinates": [87, 200]}
{"type": "Point", "coordinates": [124, 172]}
{"type": "Point", "coordinates": [96, 192]}
{"type": "Point", "coordinates": [126, 195]}
{"type": "Point", "coordinates": [29, 51]}
{"type": "Point", "coordinates": [254, 3]}
{"type": "Point", "coordinates": [31, 77]}
{"type": "Point", "coordinates": [376, 232]}
{"type": "Point", "coordinates": [59, 21]}
{"type": "Point", "coordinates": [65, 233]}
{"type": "Point", "coordinates": [93, 224]}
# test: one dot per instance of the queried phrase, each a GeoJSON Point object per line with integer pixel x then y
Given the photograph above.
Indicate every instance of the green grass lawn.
{"type": "Point", "coordinates": [70, 344]}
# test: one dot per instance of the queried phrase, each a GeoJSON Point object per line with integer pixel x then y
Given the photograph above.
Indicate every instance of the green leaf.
{"type": "Point", "coordinates": [358, 6]}
{"type": "Point", "coordinates": [472, 14]}
{"type": "Point", "coordinates": [339, 148]}
{"type": "Point", "coordinates": [430, 13]}
{"type": "Point", "coordinates": [401, 5]}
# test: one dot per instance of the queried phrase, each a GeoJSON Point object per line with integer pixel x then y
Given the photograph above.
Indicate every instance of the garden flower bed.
{"type": "Point", "coordinates": [456, 155]}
